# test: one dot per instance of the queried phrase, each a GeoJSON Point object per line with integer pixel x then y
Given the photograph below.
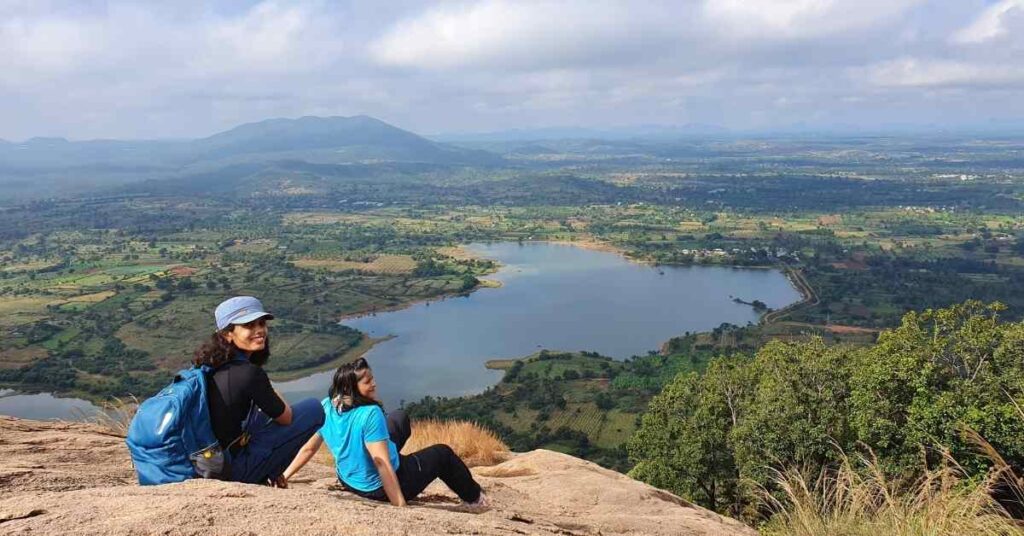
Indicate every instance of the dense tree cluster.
{"type": "Point", "coordinates": [716, 438]}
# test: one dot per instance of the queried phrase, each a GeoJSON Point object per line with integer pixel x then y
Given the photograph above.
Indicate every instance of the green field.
{"type": "Point", "coordinates": [125, 311]}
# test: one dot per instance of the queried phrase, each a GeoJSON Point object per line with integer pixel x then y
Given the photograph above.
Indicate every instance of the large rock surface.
{"type": "Point", "coordinates": [72, 478]}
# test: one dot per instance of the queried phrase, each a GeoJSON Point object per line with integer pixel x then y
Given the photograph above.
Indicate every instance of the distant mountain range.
{"type": "Point", "coordinates": [42, 167]}
{"type": "Point", "coordinates": [329, 139]}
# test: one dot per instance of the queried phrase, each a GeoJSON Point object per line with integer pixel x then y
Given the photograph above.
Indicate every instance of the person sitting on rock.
{"type": "Point", "coordinates": [258, 430]}
{"type": "Point", "coordinates": [366, 446]}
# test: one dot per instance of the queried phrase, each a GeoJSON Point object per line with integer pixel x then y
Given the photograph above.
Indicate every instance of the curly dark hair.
{"type": "Point", "coordinates": [216, 351]}
{"type": "Point", "coordinates": [344, 391]}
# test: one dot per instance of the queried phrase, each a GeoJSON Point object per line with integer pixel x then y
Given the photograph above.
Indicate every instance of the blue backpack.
{"type": "Point", "coordinates": [171, 438]}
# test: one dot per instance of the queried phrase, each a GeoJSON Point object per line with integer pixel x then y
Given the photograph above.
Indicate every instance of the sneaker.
{"type": "Point", "coordinates": [480, 502]}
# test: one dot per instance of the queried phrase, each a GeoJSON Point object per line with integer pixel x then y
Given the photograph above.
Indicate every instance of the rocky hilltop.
{"type": "Point", "coordinates": [75, 478]}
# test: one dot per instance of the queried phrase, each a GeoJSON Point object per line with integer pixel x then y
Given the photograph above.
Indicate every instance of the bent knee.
{"type": "Point", "coordinates": [444, 449]}
{"type": "Point", "coordinates": [399, 416]}
{"type": "Point", "coordinates": [309, 412]}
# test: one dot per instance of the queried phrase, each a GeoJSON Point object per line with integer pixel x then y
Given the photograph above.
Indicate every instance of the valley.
{"type": "Point", "coordinates": [106, 294]}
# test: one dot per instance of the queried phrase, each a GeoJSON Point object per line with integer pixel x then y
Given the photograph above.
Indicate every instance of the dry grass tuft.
{"type": "Point", "coordinates": [115, 415]}
{"type": "Point", "coordinates": [852, 502]}
{"type": "Point", "coordinates": [476, 445]}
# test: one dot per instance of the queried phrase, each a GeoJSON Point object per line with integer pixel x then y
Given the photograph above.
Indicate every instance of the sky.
{"type": "Point", "coordinates": [87, 69]}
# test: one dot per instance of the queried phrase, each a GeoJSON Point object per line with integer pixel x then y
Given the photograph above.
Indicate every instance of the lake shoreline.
{"type": "Point", "coordinates": [457, 337]}
{"type": "Point", "coordinates": [799, 283]}
{"type": "Point", "coordinates": [463, 253]}
{"type": "Point", "coordinates": [365, 345]}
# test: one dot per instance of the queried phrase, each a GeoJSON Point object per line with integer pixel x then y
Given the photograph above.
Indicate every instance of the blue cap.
{"type": "Point", "coordinates": [239, 310]}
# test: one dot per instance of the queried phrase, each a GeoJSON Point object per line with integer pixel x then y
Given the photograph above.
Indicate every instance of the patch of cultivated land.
{"type": "Point", "coordinates": [16, 311]}
{"type": "Point", "coordinates": [12, 358]}
{"type": "Point", "coordinates": [170, 334]}
{"type": "Point", "coordinates": [29, 266]}
{"type": "Point", "coordinates": [380, 264]}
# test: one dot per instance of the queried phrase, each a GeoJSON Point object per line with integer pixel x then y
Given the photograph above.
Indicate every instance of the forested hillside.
{"type": "Point", "coordinates": [945, 385]}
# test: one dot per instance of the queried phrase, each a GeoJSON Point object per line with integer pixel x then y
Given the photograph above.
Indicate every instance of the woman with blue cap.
{"type": "Point", "coordinates": [259, 430]}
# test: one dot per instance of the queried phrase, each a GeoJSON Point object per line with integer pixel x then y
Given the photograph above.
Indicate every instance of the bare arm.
{"type": "Point", "coordinates": [285, 418]}
{"type": "Point", "coordinates": [305, 453]}
{"type": "Point", "coordinates": [389, 479]}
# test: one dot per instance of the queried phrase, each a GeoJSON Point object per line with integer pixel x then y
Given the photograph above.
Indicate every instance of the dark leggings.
{"type": "Point", "coordinates": [417, 470]}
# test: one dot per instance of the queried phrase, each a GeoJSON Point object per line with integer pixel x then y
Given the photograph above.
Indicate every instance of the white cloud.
{"type": "Point", "coordinates": [991, 23]}
{"type": "Point", "coordinates": [48, 46]}
{"type": "Point", "coordinates": [522, 34]}
{"type": "Point", "coordinates": [144, 68]}
{"type": "Point", "coordinates": [272, 37]}
{"type": "Point", "coordinates": [789, 19]}
{"type": "Point", "coordinates": [916, 73]}
{"type": "Point", "coordinates": [127, 41]}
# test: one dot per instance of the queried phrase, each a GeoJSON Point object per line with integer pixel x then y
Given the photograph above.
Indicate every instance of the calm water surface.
{"type": "Point", "coordinates": [42, 406]}
{"type": "Point", "coordinates": [553, 296]}
{"type": "Point", "coordinates": [556, 297]}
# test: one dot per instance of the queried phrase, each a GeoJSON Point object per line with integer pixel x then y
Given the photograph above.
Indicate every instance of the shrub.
{"type": "Point", "coordinates": [862, 501]}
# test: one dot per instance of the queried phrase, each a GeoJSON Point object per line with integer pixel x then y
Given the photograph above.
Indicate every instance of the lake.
{"type": "Point", "coordinates": [555, 297]}
{"type": "Point", "coordinates": [43, 406]}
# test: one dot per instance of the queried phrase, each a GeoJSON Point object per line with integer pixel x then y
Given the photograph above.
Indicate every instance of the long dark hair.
{"type": "Point", "coordinates": [344, 391]}
{"type": "Point", "coordinates": [216, 351]}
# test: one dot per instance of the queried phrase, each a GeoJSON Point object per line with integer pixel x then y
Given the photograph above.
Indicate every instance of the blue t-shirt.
{"type": "Point", "coordinates": [346, 434]}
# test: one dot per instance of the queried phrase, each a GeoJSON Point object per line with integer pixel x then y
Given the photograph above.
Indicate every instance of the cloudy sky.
{"type": "Point", "coordinates": [98, 69]}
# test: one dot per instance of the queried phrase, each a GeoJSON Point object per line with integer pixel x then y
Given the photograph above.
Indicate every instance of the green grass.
{"type": "Point", "coordinates": [618, 427]}
{"type": "Point", "coordinates": [144, 269]}
{"type": "Point", "coordinates": [62, 338]}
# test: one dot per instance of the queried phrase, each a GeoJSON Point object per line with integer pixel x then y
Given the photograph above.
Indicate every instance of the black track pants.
{"type": "Point", "coordinates": [399, 428]}
{"type": "Point", "coordinates": [417, 470]}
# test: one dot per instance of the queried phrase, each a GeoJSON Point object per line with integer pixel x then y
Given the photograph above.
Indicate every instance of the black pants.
{"type": "Point", "coordinates": [417, 470]}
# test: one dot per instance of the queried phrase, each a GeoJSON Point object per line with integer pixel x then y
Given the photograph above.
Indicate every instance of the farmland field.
{"type": "Point", "coordinates": [379, 264]}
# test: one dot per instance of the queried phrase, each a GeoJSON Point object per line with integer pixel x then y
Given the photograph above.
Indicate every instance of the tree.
{"type": "Point", "coordinates": [683, 441]}
{"type": "Point", "coordinates": [798, 411]}
{"type": "Point", "coordinates": [941, 372]}
{"type": "Point", "coordinates": [468, 283]}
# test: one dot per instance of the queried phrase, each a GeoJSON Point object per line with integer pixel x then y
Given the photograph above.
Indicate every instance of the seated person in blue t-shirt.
{"type": "Point", "coordinates": [366, 446]}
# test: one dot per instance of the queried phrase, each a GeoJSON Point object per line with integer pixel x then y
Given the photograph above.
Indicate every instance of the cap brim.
{"type": "Point", "coordinates": [252, 316]}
